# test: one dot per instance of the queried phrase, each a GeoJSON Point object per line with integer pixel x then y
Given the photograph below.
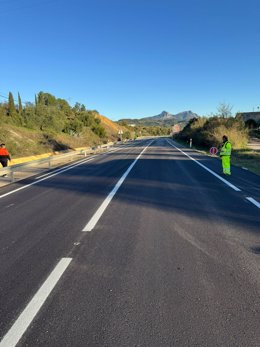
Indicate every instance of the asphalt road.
{"type": "Point", "coordinates": [170, 255]}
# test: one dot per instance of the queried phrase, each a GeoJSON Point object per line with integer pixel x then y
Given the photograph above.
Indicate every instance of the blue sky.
{"type": "Point", "coordinates": [129, 58]}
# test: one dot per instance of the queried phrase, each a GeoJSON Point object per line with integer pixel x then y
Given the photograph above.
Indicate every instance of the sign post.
{"type": "Point", "coordinates": [120, 133]}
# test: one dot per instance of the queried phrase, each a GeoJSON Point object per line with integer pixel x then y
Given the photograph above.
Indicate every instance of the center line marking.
{"type": "Point", "coordinates": [93, 221]}
{"type": "Point", "coordinates": [26, 317]}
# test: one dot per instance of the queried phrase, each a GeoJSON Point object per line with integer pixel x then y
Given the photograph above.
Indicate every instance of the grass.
{"type": "Point", "coordinates": [24, 142]}
{"type": "Point", "coordinates": [247, 158]}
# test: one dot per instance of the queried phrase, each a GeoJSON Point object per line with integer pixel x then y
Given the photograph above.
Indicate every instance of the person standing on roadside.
{"type": "Point", "coordinates": [4, 155]}
{"type": "Point", "coordinates": [225, 154]}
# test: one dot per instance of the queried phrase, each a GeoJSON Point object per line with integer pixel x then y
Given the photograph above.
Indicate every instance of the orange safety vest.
{"type": "Point", "coordinates": [4, 153]}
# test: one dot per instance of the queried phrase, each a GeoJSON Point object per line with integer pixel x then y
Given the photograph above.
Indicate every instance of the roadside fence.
{"type": "Point", "coordinates": [21, 171]}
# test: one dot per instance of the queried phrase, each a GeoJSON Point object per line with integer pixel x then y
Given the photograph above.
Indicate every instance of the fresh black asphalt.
{"type": "Point", "coordinates": [173, 261]}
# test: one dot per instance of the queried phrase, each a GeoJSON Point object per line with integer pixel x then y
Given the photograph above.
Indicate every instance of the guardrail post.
{"type": "Point", "coordinates": [12, 176]}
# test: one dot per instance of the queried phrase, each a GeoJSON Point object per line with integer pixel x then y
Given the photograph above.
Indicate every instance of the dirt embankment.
{"type": "Point", "coordinates": [22, 142]}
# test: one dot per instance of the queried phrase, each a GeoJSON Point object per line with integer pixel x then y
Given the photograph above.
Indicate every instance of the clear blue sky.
{"type": "Point", "coordinates": [133, 58]}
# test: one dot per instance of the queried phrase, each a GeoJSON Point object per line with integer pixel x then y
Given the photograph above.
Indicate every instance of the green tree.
{"type": "Point", "coordinates": [127, 135]}
{"type": "Point", "coordinates": [20, 106]}
{"type": "Point", "coordinates": [63, 106]}
{"type": "Point", "coordinates": [46, 99]}
{"type": "Point", "coordinates": [11, 106]}
{"type": "Point", "coordinates": [78, 107]}
{"type": "Point", "coordinates": [99, 130]}
{"type": "Point", "coordinates": [30, 119]}
{"type": "Point", "coordinates": [73, 127]}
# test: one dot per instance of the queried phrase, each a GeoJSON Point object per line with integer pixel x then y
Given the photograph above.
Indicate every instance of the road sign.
{"type": "Point", "coordinates": [213, 150]}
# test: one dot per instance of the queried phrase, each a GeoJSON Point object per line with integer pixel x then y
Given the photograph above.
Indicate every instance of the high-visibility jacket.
{"type": "Point", "coordinates": [226, 149]}
{"type": "Point", "coordinates": [4, 154]}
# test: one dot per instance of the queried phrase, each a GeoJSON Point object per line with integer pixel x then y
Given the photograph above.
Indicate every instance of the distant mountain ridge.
{"type": "Point", "coordinates": [163, 119]}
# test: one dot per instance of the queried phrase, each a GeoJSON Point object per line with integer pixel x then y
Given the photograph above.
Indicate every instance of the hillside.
{"type": "Point", "coordinates": [163, 119]}
{"type": "Point", "coordinates": [110, 127]}
{"type": "Point", "coordinates": [50, 125]}
{"type": "Point", "coordinates": [22, 142]}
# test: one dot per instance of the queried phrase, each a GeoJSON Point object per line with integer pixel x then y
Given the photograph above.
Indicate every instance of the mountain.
{"type": "Point", "coordinates": [163, 119]}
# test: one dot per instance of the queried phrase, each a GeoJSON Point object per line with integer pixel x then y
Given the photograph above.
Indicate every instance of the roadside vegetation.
{"type": "Point", "coordinates": [207, 132]}
{"type": "Point", "coordinates": [140, 130]}
{"type": "Point", "coordinates": [247, 158]}
{"type": "Point", "coordinates": [51, 124]}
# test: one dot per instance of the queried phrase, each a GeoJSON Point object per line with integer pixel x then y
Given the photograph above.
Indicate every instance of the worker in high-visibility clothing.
{"type": "Point", "coordinates": [4, 155]}
{"type": "Point", "coordinates": [225, 154]}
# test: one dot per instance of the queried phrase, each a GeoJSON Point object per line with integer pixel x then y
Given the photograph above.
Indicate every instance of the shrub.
{"type": "Point", "coordinates": [208, 132]}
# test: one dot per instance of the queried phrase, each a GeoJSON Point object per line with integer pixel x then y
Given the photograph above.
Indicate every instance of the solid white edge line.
{"type": "Point", "coordinates": [95, 218]}
{"type": "Point", "coordinates": [26, 317]}
{"type": "Point", "coordinates": [204, 167]}
{"type": "Point", "coordinates": [82, 161]}
{"type": "Point", "coordinates": [253, 201]}
{"type": "Point", "coordinates": [85, 160]}
{"type": "Point", "coordinates": [52, 175]}
{"type": "Point", "coordinates": [42, 179]}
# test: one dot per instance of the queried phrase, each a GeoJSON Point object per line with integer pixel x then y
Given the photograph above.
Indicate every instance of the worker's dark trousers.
{"type": "Point", "coordinates": [4, 162]}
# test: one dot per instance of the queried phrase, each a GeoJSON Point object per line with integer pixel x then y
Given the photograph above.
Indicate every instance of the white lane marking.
{"type": "Point", "coordinates": [256, 203]}
{"type": "Point", "coordinates": [65, 167]}
{"type": "Point", "coordinates": [204, 167]}
{"type": "Point", "coordinates": [26, 317]}
{"type": "Point", "coordinates": [43, 179]}
{"type": "Point", "coordinates": [46, 174]}
{"type": "Point", "coordinates": [95, 218]}
{"type": "Point", "coordinates": [51, 175]}
{"type": "Point", "coordinates": [79, 161]}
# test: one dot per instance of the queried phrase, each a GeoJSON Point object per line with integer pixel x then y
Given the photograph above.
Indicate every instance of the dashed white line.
{"type": "Point", "coordinates": [93, 221]}
{"type": "Point", "coordinates": [24, 320]}
{"type": "Point", "coordinates": [204, 167]}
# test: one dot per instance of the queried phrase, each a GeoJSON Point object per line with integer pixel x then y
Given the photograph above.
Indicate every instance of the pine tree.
{"type": "Point", "coordinates": [20, 106]}
{"type": "Point", "coordinates": [36, 102]}
{"type": "Point", "coordinates": [11, 106]}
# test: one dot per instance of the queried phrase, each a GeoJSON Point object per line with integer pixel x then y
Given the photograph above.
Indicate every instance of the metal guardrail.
{"type": "Point", "coordinates": [21, 171]}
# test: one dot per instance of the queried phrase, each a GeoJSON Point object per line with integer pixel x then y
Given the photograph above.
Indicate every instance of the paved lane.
{"type": "Point", "coordinates": [248, 182]}
{"type": "Point", "coordinates": [172, 261]}
{"type": "Point", "coordinates": [41, 223]}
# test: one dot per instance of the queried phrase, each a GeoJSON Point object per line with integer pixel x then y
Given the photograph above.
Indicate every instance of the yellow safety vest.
{"type": "Point", "coordinates": [226, 149]}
